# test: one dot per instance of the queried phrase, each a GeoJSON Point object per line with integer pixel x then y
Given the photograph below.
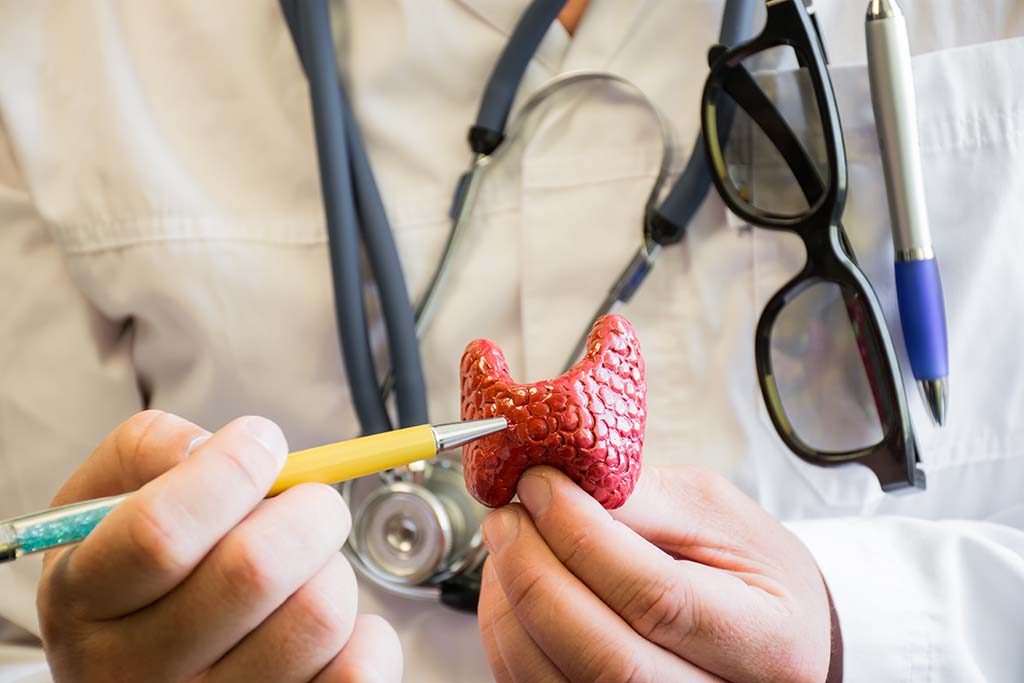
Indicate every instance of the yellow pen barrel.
{"type": "Point", "coordinates": [356, 458]}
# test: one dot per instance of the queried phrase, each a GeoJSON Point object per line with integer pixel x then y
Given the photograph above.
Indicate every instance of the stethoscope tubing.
{"type": "Point", "coordinates": [355, 210]}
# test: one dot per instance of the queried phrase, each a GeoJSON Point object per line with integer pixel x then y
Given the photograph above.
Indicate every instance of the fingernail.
{"type": "Point", "coordinates": [535, 493]}
{"type": "Point", "coordinates": [268, 434]}
{"type": "Point", "coordinates": [500, 529]}
{"type": "Point", "coordinates": [196, 443]}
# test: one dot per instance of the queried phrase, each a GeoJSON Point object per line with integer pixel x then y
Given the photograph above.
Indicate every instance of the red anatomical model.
{"type": "Point", "coordinates": [589, 422]}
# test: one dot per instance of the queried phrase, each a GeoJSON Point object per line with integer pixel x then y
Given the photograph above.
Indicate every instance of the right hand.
{"type": "Point", "coordinates": [194, 578]}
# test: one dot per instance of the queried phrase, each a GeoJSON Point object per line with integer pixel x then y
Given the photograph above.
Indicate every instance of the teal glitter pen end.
{"type": "Point", "coordinates": [53, 528]}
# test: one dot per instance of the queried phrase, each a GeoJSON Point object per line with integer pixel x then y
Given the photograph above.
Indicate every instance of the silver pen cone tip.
{"type": "Point", "coordinates": [884, 9]}
{"type": "Point", "coordinates": [935, 393]}
{"type": "Point", "coordinates": [458, 434]}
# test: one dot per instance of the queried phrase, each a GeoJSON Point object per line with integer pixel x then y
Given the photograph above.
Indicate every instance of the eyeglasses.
{"type": "Point", "coordinates": [825, 362]}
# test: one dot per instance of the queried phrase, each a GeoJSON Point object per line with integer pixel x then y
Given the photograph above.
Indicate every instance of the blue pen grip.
{"type": "Point", "coordinates": [923, 317]}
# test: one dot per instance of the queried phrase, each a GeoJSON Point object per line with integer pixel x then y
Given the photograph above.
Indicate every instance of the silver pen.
{"type": "Point", "coordinates": [918, 286]}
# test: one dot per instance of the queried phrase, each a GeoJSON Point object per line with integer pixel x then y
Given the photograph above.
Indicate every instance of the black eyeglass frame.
{"type": "Point", "coordinates": [894, 459]}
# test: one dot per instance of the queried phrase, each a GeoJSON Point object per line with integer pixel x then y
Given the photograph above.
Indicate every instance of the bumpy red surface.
{"type": "Point", "coordinates": [589, 422]}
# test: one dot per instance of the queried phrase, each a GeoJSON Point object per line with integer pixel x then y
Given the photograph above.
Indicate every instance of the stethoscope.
{"type": "Point", "coordinates": [416, 531]}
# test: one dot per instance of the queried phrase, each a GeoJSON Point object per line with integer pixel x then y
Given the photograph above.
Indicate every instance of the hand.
{"type": "Point", "coordinates": [194, 578]}
{"type": "Point", "coordinates": [689, 581]}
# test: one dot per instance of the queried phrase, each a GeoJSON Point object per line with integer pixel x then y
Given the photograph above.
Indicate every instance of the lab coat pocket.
{"type": "Point", "coordinates": [971, 120]}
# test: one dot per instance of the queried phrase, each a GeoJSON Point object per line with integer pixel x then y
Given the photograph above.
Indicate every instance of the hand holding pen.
{"type": "Point", "coordinates": [194, 574]}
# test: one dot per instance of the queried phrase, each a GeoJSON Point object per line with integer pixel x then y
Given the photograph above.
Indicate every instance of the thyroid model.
{"type": "Point", "coordinates": [589, 423]}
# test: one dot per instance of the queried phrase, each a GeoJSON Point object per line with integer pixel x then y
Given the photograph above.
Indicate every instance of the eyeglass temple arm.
{"type": "Point", "coordinates": [745, 91]}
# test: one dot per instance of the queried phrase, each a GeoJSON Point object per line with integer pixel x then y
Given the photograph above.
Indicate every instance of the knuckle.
{"type": "Point", "coordinates": [524, 587]}
{"type": "Point", "coordinates": [133, 434]}
{"type": "Point", "coordinates": [267, 434]}
{"type": "Point", "coordinates": [89, 652]}
{"type": "Point", "coordinates": [327, 611]}
{"type": "Point", "coordinates": [156, 545]}
{"type": "Point", "coordinates": [51, 617]}
{"type": "Point", "coordinates": [663, 612]}
{"type": "Point", "coordinates": [57, 602]}
{"type": "Point", "coordinates": [706, 479]}
{"type": "Point", "coordinates": [530, 591]}
{"type": "Point", "coordinates": [498, 615]}
{"type": "Point", "coordinates": [249, 566]}
{"type": "Point", "coordinates": [252, 472]}
{"type": "Point", "coordinates": [615, 665]}
{"type": "Point", "coordinates": [578, 546]}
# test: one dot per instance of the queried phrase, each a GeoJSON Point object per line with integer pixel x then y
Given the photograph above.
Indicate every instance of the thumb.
{"type": "Point", "coordinates": [139, 450]}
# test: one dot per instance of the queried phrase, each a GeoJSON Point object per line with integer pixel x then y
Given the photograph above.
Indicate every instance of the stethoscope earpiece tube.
{"type": "Point", "coordinates": [403, 343]}
{"type": "Point", "coordinates": [737, 22]}
{"type": "Point", "coordinates": [667, 223]}
{"type": "Point", "coordinates": [316, 47]}
{"type": "Point", "coordinates": [489, 129]}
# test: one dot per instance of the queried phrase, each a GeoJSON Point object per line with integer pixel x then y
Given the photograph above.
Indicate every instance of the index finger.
{"type": "Point", "coordinates": [575, 628]}
{"type": "Point", "coordinates": [139, 450]}
{"type": "Point", "coordinates": [154, 539]}
{"type": "Point", "coordinates": [677, 604]}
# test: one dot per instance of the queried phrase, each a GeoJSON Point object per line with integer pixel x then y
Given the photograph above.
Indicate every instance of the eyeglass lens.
{"type": "Point", "coordinates": [818, 350]}
{"type": "Point", "coordinates": [775, 149]}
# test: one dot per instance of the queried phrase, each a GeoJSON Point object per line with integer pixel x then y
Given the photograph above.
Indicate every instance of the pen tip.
{"type": "Point", "coordinates": [460, 433]}
{"type": "Point", "coordinates": [935, 393]}
{"type": "Point", "coordinates": [883, 9]}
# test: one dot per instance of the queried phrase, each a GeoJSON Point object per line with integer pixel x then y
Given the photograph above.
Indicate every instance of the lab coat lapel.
{"type": "Point", "coordinates": [604, 29]}
{"type": "Point", "coordinates": [503, 15]}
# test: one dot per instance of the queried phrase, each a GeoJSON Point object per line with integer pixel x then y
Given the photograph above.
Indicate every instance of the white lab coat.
{"type": "Point", "coordinates": [162, 244]}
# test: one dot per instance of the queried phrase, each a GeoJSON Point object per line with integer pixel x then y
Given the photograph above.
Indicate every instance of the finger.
{"type": "Point", "coordinates": [246, 578]}
{"type": "Point", "coordinates": [696, 513]}
{"type": "Point", "coordinates": [154, 539]}
{"type": "Point", "coordinates": [688, 608]}
{"type": "Point", "coordinates": [512, 653]}
{"type": "Point", "coordinates": [139, 450]}
{"type": "Point", "coordinates": [581, 635]}
{"type": "Point", "coordinates": [486, 612]}
{"type": "Point", "coordinates": [372, 655]}
{"type": "Point", "coordinates": [301, 637]}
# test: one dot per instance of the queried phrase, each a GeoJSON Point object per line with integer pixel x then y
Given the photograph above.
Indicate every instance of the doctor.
{"type": "Point", "coordinates": [162, 246]}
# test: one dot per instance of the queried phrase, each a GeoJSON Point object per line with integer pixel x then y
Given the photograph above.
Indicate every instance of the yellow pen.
{"type": "Point", "coordinates": [330, 464]}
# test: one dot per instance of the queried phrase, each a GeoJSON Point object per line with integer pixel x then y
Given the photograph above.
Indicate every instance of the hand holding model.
{"type": "Point", "coordinates": [690, 580]}
{"type": "Point", "coordinates": [193, 578]}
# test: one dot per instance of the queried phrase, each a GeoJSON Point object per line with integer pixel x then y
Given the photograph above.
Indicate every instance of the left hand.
{"type": "Point", "coordinates": [689, 581]}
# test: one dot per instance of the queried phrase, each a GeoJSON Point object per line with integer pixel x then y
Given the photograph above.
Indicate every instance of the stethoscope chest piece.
{"type": "Point", "coordinates": [408, 534]}
{"type": "Point", "coordinates": [404, 532]}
